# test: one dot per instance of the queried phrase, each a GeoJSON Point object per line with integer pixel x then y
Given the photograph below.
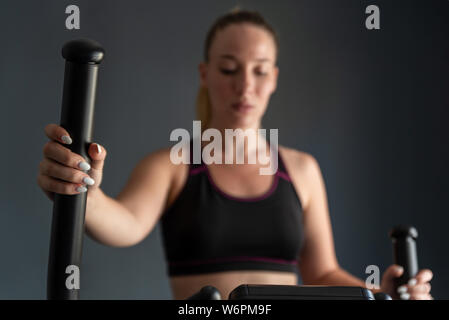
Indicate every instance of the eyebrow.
{"type": "Point", "coordinates": [231, 57]}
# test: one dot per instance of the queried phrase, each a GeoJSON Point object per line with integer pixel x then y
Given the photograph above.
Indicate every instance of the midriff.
{"type": "Point", "coordinates": [187, 285]}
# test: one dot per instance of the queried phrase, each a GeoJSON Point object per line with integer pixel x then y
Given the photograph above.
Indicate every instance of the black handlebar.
{"type": "Point", "coordinates": [404, 251]}
{"type": "Point", "coordinates": [77, 113]}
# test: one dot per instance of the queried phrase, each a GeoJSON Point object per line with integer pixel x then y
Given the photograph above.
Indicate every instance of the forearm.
{"type": "Point", "coordinates": [340, 277]}
{"type": "Point", "coordinates": [109, 222]}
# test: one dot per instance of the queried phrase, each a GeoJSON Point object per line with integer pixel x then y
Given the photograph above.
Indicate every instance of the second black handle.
{"type": "Point", "coordinates": [404, 251]}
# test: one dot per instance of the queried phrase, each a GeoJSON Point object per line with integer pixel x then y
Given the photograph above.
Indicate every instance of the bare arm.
{"type": "Point", "coordinates": [340, 277]}
{"type": "Point", "coordinates": [128, 218]}
{"type": "Point", "coordinates": [318, 257]}
{"type": "Point", "coordinates": [318, 263]}
{"type": "Point", "coordinates": [109, 222]}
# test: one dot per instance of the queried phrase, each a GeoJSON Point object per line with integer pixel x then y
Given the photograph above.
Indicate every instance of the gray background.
{"type": "Point", "coordinates": [371, 106]}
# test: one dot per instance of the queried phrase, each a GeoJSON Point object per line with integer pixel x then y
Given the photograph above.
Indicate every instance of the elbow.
{"type": "Point", "coordinates": [132, 235]}
{"type": "Point", "coordinates": [130, 241]}
{"type": "Point", "coordinates": [321, 277]}
{"type": "Point", "coordinates": [118, 241]}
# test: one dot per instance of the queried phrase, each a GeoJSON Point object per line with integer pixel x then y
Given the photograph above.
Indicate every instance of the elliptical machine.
{"type": "Point", "coordinates": [82, 62]}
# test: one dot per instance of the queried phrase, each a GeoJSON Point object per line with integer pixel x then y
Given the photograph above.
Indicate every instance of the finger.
{"type": "Point", "coordinates": [423, 288]}
{"type": "Point", "coordinates": [421, 297]}
{"type": "Point", "coordinates": [424, 276]}
{"type": "Point", "coordinates": [97, 154]}
{"type": "Point", "coordinates": [58, 186]}
{"type": "Point", "coordinates": [393, 271]}
{"type": "Point", "coordinates": [63, 155]}
{"type": "Point", "coordinates": [57, 133]}
{"type": "Point", "coordinates": [56, 170]}
{"type": "Point", "coordinates": [49, 194]}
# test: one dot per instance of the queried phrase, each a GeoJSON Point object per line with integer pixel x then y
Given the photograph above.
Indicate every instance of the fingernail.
{"type": "Point", "coordinates": [84, 166]}
{"type": "Point", "coordinates": [66, 139]}
{"type": "Point", "coordinates": [405, 296]}
{"type": "Point", "coordinates": [412, 282]}
{"type": "Point", "coordinates": [402, 289]}
{"type": "Point", "coordinates": [399, 269]}
{"type": "Point", "coordinates": [98, 148]}
{"type": "Point", "coordinates": [89, 181]}
{"type": "Point", "coordinates": [81, 189]}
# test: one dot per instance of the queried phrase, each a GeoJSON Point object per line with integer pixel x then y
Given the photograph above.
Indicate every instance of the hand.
{"type": "Point", "coordinates": [65, 172]}
{"type": "Point", "coordinates": [418, 288]}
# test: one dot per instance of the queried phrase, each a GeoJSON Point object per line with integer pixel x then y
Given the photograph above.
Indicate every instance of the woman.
{"type": "Point", "coordinates": [223, 224]}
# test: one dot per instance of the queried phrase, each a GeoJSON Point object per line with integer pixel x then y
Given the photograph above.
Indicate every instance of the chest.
{"type": "Point", "coordinates": [240, 181]}
{"type": "Point", "coordinates": [207, 223]}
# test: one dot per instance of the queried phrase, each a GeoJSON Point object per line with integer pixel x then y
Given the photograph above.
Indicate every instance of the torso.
{"type": "Point", "coordinates": [239, 181]}
{"type": "Point", "coordinates": [186, 286]}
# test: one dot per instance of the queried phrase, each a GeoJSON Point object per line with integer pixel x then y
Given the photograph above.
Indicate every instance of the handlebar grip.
{"type": "Point", "coordinates": [382, 296]}
{"type": "Point", "coordinates": [404, 251]}
{"type": "Point", "coordinates": [206, 293]}
{"type": "Point", "coordinates": [82, 57]}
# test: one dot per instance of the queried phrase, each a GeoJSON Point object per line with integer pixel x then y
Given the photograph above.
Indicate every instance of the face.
{"type": "Point", "coordinates": [240, 75]}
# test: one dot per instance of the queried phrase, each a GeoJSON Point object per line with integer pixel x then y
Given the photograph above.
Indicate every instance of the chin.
{"type": "Point", "coordinates": [244, 122]}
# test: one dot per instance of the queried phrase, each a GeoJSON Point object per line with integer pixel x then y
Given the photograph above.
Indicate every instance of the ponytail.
{"type": "Point", "coordinates": [203, 108]}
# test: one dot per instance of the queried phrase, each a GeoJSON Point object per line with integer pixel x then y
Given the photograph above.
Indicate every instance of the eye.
{"type": "Point", "coordinates": [261, 73]}
{"type": "Point", "coordinates": [228, 71]}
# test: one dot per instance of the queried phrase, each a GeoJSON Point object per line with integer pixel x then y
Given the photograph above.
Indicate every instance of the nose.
{"type": "Point", "coordinates": [244, 83]}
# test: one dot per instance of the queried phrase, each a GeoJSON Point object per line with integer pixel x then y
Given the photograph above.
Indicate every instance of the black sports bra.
{"type": "Point", "coordinates": [206, 230]}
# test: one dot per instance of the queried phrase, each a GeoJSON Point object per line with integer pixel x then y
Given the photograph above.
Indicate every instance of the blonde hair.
{"type": "Point", "coordinates": [235, 16]}
{"type": "Point", "coordinates": [203, 108]}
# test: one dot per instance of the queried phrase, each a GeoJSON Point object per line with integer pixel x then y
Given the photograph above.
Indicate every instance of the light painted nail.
{"type": "Point", "coordinates": [412, 282]}
{"type": "Point", "coordinates": [81, 189]}
{"type": "Point", "coordinates": [89, 181]}
{"type": "Point", "coordinates": [84, 166]}
{"type": "Point", "coordinates": [98, 148]}
{"type": "Point", "coordinates": [402, 289]}
{"type": "Point", "coordinates": [405, 296]}
{"type": "Point", "coordinates": [66, 139]}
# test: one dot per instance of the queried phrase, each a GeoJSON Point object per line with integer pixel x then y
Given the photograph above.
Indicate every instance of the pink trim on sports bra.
{"type": "Point", "coordinates": [231, 259]}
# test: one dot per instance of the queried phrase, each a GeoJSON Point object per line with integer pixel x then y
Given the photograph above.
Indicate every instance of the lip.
{"type": "Point", "coordinates": [242, 106]}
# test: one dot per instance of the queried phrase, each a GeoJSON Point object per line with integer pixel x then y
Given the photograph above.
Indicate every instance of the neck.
{"type": "Point", "coordinates": [248, 144]}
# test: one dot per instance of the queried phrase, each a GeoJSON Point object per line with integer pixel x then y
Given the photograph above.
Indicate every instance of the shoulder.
{"type": "Point", "coordinates": [157, 163]}
{"type": "Point", "coordinates": [162, 164]}
{"type": "Point", "coordinates": [159, 158]}
{"type": "Point", "coordinates": [297, 160]}
{"type": "Point", "coordinates": [303, 169]}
